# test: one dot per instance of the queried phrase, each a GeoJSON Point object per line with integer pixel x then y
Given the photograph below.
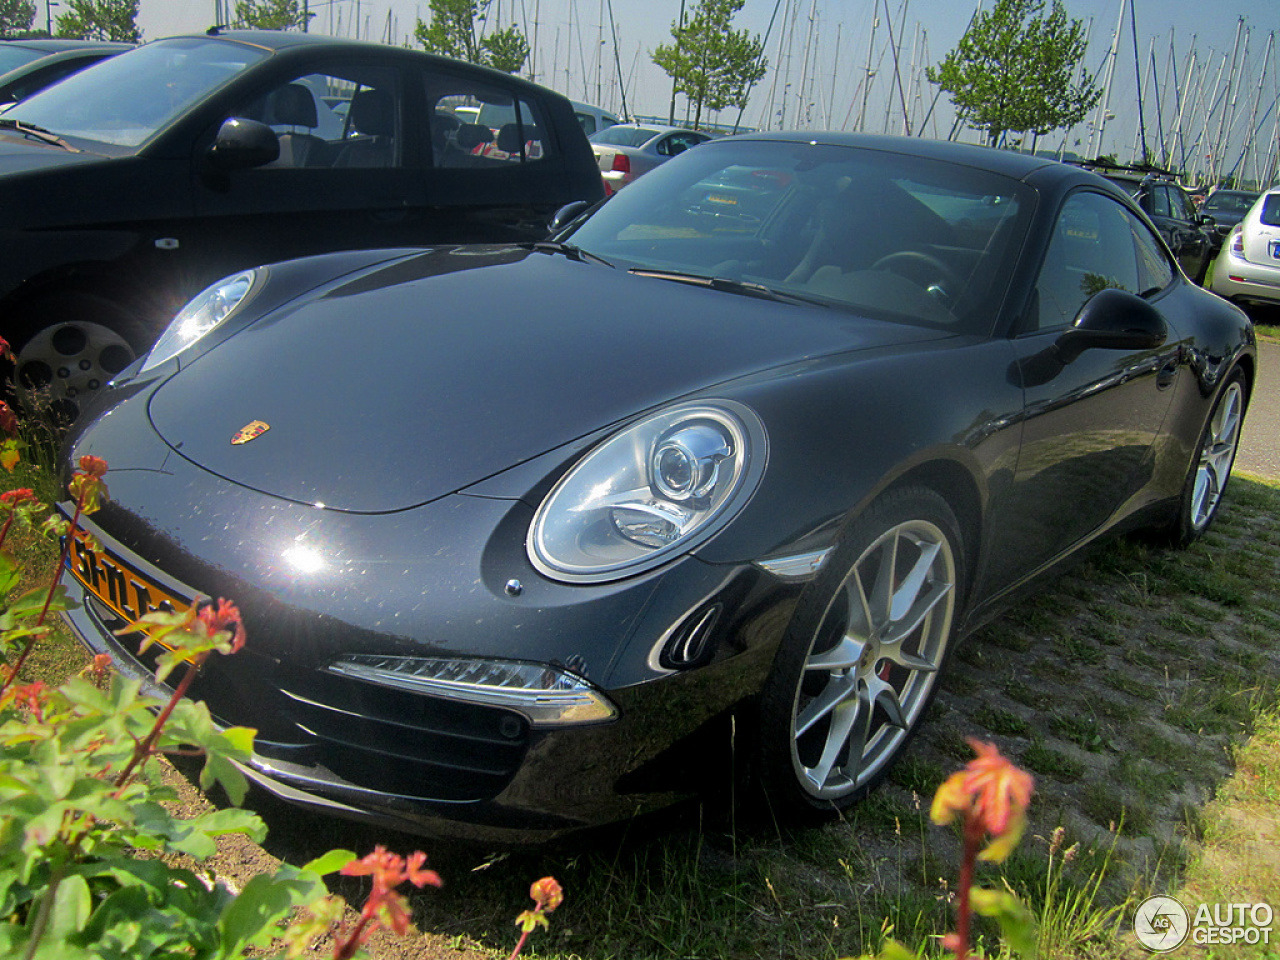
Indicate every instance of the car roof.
{"type": "Point", "coordinates": [285, 42]}
{"type": "Point", "coordinates": [60, 45]}
{"type": "Point", "coordinates": [1005, 162]}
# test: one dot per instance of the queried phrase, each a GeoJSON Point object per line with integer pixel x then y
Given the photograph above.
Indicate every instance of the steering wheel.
{"type": "Point", "coordinates": [923, 269]}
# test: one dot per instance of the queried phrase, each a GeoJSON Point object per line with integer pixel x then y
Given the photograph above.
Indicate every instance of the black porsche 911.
{"type": "Point", "coordinates": [517, 530]}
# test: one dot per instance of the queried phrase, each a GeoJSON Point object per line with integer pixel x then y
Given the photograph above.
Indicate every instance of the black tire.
{"type": "Point", "coordinates": [71, 345]}
{"type": "Point", "coordinates": [862, 656]}
{"type": "Point", "coordinates": [1210, 468]}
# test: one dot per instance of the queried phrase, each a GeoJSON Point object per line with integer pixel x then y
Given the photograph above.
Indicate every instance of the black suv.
{"type": "Point", "coordinates": [131, 186]}
{"type": "Point", "coordinates": [1189, 233]}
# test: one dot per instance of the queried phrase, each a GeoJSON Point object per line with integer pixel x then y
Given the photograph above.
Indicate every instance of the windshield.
{"type": "Point", "coordinates": [624, 136]}
{"type": "Point", "coordinates": [128, 99]}
{"type": "Point", "coordinates": [1230, 202]}
{"type": "Point", "coordinates": [880, 233]}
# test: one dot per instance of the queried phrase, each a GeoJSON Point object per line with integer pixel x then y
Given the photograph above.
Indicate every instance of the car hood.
{"type": "Point", "coordinates": [432, 373]}
{"type": "Point", "coordinates": [19, 154]}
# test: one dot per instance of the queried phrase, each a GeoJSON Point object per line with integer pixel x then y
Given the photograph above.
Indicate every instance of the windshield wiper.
{"type": "Point", "coordinates": [570, 251]}
{"type": "Point", "coordinates": [745, 288]}
{"type": "Point", "coordinates": [36, 133]}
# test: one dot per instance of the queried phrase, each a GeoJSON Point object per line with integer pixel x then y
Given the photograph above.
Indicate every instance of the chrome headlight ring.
{"type": "Point", "coordinates": [654, 490]}
{"type": "Point", "coordinates": [203, 314]}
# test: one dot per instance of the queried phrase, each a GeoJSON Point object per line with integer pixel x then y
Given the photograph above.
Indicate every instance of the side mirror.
{"type": "Point", "coordinates": [567, 214]}
{"type": "Point", "coordinates": [1112, 320]}
{"type": "Point", "coordinates": [241, 144]}
{"type": "Point", "coordinates": [1207, 220]}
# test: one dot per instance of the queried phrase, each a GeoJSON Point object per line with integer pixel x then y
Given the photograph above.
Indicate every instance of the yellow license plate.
{"type": "Point", "coordinates": [120, 586]}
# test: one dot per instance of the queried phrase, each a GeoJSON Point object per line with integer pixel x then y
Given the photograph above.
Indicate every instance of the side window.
{"type": "Point", "coordinates": [1154, 270]}
{"type": "Point", "coordinates": [474, 124]}
{"type": "Point", "coordinates": [1092, 249]}
{"type": "Point", "coordinates": [333, 119]}
{"type": "Point", "coordinates": [1183, 208]}
{"type": "Point", "coordinates": [1160, 201]}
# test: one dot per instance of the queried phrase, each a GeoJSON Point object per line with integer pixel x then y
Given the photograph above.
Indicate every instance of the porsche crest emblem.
{"type": "Point", "coordinates": [250, 431]}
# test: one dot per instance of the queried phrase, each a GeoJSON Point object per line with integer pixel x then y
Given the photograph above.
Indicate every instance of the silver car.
{"type": "Point", "coordinates": [1248, 268]}
{"type": "Point", "coordinates": [627, 150]}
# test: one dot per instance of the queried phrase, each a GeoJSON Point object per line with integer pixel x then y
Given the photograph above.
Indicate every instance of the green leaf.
{"type": "Point", "coordinates": [1017, 925]}
{"type": "Point", "coordinates": [71, 908]}
{"type": "Point", "coordinates": [330, 862]}
{"type": "Point", "coordinates": [253, 919]}
{"type": "Point", "coordinates": [10, 573]}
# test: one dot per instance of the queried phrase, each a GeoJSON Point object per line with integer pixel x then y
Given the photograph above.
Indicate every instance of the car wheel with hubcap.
{"type": "Point", "coordinates": [1211, 468]}
{"type": "Point", "coordinates": [77, 348]}
{"type": "Point", "coordinates": [863, 653]}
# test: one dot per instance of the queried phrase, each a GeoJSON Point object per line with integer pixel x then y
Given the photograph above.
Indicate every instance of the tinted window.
{"type": "Point", "coordinates": [340, 117]}
{"type": "Point", "coordinates": [127, 99]}
{"type": "Point", "coordinates": [474, 124]}
{"type": "Point", "coordinates": [1093, 248]}
{"type": "Point", "coordinates": [1270, 214]}
{"type": "Point", "coordinates": [622, 136]}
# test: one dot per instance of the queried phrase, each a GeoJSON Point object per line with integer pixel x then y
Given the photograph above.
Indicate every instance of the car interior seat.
{"type": "Point", "coordinates": [294, 106]}
{"type": "Point", "coordinates": [373, 117]}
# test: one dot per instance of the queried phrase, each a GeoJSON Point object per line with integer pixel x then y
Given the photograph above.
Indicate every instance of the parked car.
{"type": "Point", "coordinates": [592, 119]}
{"type": "Point", "coordinates": [1190, 234]}
{"type": "Point", "coordinates": [128, 189]}
{"type": "Point", "coordinates": [1248, 268]}
{"type": "Point", "coordinates": [627, 150]}
{"type": "Point", "coordinates": [1227, 207]}
{"type": "Point", "coordinates": [510, 568]}
{"type": "Point", "coordinates": [26, 67]}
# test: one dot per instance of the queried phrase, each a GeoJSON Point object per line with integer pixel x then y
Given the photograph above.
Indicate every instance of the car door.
{"type": "Point", "coordinates": [349, 174]}
{"type": "Point", "coordinates": [1089, 424]}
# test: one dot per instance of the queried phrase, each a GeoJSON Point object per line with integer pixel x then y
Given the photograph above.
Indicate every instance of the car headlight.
{"type": "Point", "coordinates": [659, 487]}
{"type": "Point", "coordinates": [204, 313]}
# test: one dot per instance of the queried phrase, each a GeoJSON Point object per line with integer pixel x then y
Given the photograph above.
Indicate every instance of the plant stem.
{"type": "Point", "coordinates": [145, 747]}
{"type": "Point", "coordinates": [973, 833]}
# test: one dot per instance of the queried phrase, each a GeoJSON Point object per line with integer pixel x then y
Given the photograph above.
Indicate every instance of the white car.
{"type": "Point", "coordinates": [1248, 268]}
{"type": "Point", "coordinates": [592, 119]}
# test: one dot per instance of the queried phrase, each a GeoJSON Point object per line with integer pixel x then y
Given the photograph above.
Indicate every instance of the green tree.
{"type": "Point", "coordinates": [712, 64]}
{"type": "Point", "coordinates": [16, 16]}
{"type": "Point", "coordinates": [1013, 70]}
{"type": "Point", "coordinates": [271, 14]}
{"type": "Point", "coordinates": [457, 30]}
{"type": "Point", "coordinates": [100, 20]}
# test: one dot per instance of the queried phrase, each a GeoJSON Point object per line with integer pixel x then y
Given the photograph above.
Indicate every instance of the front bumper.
{"type": "Point", "coordinates": [429, 765]}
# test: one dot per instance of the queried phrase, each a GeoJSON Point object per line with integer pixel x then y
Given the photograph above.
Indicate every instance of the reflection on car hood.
{"type": "Point", "coordinates": [19, 153]}
{"type": "Point", "coordinates": [432, 373]}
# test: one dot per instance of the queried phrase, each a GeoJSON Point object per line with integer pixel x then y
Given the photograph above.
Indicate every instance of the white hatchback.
{"type": "Point", "coordinates": [1248, 268]}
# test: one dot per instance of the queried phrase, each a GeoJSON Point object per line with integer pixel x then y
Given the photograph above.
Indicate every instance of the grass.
{"type": "Point", "coordinates": [1131, 689]}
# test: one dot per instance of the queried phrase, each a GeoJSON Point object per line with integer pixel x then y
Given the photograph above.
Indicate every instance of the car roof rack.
{"type": "Point", "coordinates": [1148, 170]}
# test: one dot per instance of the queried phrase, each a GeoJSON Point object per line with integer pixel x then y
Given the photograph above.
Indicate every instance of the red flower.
{"type": "Point", "coordinates": [8, 419]}
{"type": "Point", "coordinates": [15, 498]}
{"type": "Point", "coordinates": [94, 467]}
{"type": "Point", "coordinates": [6, 353]}
{"type": "Point", "coordinates": [992, 794]}
{"type": "Point", "coordinates": [388, 871]}
{"type": "Point", "coordinates": [224, 616]}
{"type": "Point", "coordinates": [546, 894]}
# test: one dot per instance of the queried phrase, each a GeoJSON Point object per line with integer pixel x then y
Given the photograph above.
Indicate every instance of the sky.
{"type": "Point", "coordinates": [819, 52]}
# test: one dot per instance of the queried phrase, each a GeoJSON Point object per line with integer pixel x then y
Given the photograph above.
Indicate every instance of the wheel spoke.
{"type": "Point", "coordinates": [843, 656]}
{"type": "Point", "coordinates": [838, 690]}
{"type": "Point", "coordinates": [904, 598]}
{"type": "Point", "coordinates": [848, 731]}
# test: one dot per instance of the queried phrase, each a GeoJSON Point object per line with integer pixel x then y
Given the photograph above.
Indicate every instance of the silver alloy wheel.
{"type": "Point", "coordinates": [874, 660]}
{"type": "Point", "coordinates": [66, 363]}
{"type": "Point", "coordinates": [1217, 454]}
